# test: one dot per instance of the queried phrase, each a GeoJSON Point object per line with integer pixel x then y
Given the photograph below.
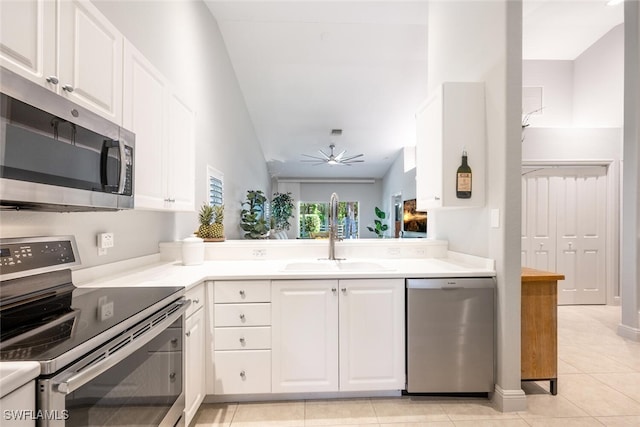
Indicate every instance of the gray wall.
{"type": "Point", "coordinates": [182, 39]}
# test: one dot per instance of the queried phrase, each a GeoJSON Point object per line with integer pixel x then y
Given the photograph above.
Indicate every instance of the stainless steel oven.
{"type": "Point", "coordinates": [108, 356]}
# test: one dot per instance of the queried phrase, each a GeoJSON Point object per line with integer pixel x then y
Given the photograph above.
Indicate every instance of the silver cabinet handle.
{"type": "Point", "coordinates": [242, 340]}
{"type": "Point", "coordinates": [68, 88]}
{"type": "Point", "coordinates": [243, 375]}
{"type": "Point", "coordinates": [196, 301]}
{"type": "Point", "coordinates": [241, 316]}
{"type": "Point", "coordinates": [172, 376]}
{"type": "Point", "coordinates": [344, 290]}
{"type": "Point", "coordinates": [333, 290]}
{"type": "Point", "coordinates": [53, 80]}
{"type": "Point", "coordinates": [436, 198]}
{"type": "Point", "coordinates": [242, 294]}
{"type": "Point", "coordinates": [188, 333]}
{"type": "Point", "coordinates": [174, 341]}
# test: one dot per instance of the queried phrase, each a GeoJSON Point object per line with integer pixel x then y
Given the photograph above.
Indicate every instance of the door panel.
{"type": "Point", "coordinates": [564, 225]}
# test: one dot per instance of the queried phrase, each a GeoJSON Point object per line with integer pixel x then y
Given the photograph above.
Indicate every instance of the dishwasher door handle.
{"type": "Point", "coordinates": [451, 288]}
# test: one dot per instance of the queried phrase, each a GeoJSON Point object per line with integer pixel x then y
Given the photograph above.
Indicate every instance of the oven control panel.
{"type": "Point", "coordinates": [35, 254]}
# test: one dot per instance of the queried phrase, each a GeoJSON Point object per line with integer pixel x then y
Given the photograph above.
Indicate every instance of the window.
{"type": "Point", "coordinates": [215, 187]}
{"type": "Point", "coordinates": [314, 220]}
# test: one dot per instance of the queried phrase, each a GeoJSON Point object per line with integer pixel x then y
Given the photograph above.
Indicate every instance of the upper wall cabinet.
{"type": "Point", "coordinates": [448, 123]}
{"type": "Point", "coordinates": [163, 124]}
{"type": "Point", "coordinates": [84, 65]}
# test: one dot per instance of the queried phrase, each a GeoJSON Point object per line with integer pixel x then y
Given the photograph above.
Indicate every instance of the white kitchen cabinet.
{"type": "Point", "coordinates": [242, 337]}
{"type": "Point", "coordinates": [304, 335]}
{"type": "Point", "coordinates": [28, 39]}
{"type": "Point", "coordinates": [450, 121]}
{"type": "Point", "coordinates": [67, 46]}
{"type": "Point", "coordinates": [194, 388]}
{"type": "Point", "coordinates": [17, 407]}
{"type": "Point", "coordinates": [331, 335]}
{"type": "Point", "coordinates": [163, 124]}
{"type": "Point", "coordinates": [372, 334]}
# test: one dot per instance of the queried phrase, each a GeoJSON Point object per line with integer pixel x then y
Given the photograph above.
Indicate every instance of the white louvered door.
{"type": "Point", "coordinates": [564, 229]}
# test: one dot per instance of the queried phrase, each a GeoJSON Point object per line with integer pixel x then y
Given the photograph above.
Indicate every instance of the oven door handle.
{"type": "Point", "coordinates": [119, 349]}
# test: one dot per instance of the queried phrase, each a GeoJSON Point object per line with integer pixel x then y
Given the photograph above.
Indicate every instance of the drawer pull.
{"type": "Point", "coordinates": [174, 341]}
{"type": "Point", "coordinates": [243, 375]}
{"type": "Point", "coordinates": [172, 376]}
{"type": "Point", "coordinates": [333, 290]}
{"type": "Point", "coordinates": [188, 333]}
{"type": "Point", "coordinates": [344, 290]}
{"type": "Point", "coordinates": [242, 317]}
{"type": "Point", "coordinates": [242, 340]}
{"type": "Point", "coordinates": [242, 294]}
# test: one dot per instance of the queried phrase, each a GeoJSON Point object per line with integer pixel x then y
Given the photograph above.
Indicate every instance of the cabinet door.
{"type": "Point", "coordinates": [90, 59]}
{"type": "Point", "coordinates": [304, 336]}
{"type": "Point", "coordinates": [181, 154]}
{"type": "Point", "coordinates": [194, 369]}
{"type": "Point", "coordinates": [27, 39]}
{"type": "Point", "coordinates": [450, 121]}
{"type": "Point", "coordinates": [144, 111]}
{"type": "Point", "coordinates": [372, 334]}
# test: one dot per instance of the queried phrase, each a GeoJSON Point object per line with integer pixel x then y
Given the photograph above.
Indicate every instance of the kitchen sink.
{"type": "Point", "coordinates": [337, 265]}
{"type": "Point", "coordinates": [319, 265]}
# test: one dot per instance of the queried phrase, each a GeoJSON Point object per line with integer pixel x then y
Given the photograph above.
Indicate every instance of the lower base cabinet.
{"type": "Point", "coordinates": [337, 335]}
{"type": "Point", "coordinates": [194, 384]}
{"type": "Point", "coordinates": [240, 372]}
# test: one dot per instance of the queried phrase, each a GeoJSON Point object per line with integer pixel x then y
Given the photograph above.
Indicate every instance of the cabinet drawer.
{"type": "Point", "coordinates": [242, 291]}
{"type": "Point", "coordinates": [239, 372]}
{"type": "Point", "coordinates": [243, 314]}
{"type": "Point", "coordinates": [243, 338]}
{"type": "Point", "coordinates": [196, 295]}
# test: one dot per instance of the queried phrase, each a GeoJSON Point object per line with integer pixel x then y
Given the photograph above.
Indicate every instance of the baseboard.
{"type": "Point", "coordinates": [509, 400]}
{"type": "Point", "coordinates": [629, 332]}
{"type": "Point", "coordinates": [298, 396]}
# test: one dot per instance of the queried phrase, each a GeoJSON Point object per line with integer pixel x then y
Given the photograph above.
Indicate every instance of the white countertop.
{"type": "Point", "coordinates": [175, 274]}
{"type": "Point", "coordinates": [152, 271]}
{"type": "Point", "coordinates": [14, 375]}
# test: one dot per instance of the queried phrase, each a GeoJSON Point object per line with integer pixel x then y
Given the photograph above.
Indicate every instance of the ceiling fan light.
{"type": "Point", "coordinates": [332, 162]}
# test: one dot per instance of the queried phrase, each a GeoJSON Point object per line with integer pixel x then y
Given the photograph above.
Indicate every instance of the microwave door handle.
{"type": "Point", "coordinates": [102, 365]}
{"type": "Point", "coordinates": [104, 157]}
{"type": "Point", "coordinates": [123, 167]}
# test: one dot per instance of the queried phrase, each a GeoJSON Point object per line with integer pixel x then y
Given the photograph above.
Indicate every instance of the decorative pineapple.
{"type": "Point", "coordinates": [210, 218]}
{"type": "Point", "coordinates": [205, 217]}
{"type": "Point", "coordinates": [217, 228]}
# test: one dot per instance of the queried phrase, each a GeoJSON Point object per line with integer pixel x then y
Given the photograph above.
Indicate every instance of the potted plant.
{"type": "Point", "coordinates": [281, 210]}
{"type": "Point", "coordinates": [379, 228]}
{"type": "Point", "coordinates": [252, 216]}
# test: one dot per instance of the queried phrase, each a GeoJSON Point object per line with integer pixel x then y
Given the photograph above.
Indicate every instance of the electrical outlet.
{"type": "Point", "coordinates": [105, 308]}
{"type": "Point", "coordinates": [393, 251]}
{"type": "Point", "coordinates": [259, 253]}
{"type": "Point", "coordinates": [105, 240]}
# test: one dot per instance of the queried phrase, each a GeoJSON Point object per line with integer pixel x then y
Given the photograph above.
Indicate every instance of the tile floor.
{"type": "Point", "coordinates": [599, 384]}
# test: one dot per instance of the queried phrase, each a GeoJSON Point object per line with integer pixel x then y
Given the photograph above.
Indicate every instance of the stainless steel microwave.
{"type": "Point", "coordinates": [57, 156]}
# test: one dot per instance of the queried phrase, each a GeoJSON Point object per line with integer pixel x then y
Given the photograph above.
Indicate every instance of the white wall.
{"type": "Point", "coordinates": [587, 92]}
{"type": "Point", "coordinates": [630, 274]}
{"type": "Point", "coordinates": [556, 80]}
{"type": "Point", "coordinates": [598, 82]}
{"type": "Point", "coordinates": [182, 40]}
{"type": "Point", "coordinates": [482, 41]}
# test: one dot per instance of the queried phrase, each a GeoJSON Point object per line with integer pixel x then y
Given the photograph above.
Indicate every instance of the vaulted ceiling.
{"type": "Point", "coordinates": [308, 67]}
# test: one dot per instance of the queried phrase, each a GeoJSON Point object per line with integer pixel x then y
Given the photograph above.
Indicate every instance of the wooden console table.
{"type": "Point", "coordinates": [539, 327]}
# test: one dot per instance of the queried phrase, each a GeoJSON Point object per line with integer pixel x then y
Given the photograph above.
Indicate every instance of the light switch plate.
{"type": "Point", "coordinates": [495, 218]}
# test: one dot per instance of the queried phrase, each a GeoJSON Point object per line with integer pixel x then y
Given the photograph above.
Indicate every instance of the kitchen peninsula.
{"type": "Point", "coordinates": [270, 304]}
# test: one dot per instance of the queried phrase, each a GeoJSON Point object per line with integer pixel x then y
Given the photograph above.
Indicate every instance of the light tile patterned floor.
{"type": "Point", "coordinates": [598, 385]}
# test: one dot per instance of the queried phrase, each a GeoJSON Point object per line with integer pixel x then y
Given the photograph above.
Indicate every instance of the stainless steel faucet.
{"type": "Point", "coordinates": [333, 225]}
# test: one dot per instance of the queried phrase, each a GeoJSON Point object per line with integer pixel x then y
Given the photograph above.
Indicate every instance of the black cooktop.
{"type": "Point", "coordinates": [70, 320]}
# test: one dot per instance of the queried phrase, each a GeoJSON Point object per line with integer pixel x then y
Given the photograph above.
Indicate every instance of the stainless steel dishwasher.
{"type": "Point", "coordinates": [450, 335]}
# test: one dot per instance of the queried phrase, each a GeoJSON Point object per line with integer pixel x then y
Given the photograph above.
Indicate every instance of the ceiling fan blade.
{"type": "Point", "coordinates": [326, 156]}
{"type": "Point", "coordinates": [348, 162]}
{"type": "Point", "coordinates": [339, 156]}
{"type": "Point", "coordinates": [346, 159]}
{"type": "Point", "coordinates": [314, 157]}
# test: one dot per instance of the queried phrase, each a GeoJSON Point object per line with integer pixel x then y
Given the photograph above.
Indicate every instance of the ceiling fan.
{"type": "Point", "coordinates": [333, 159]}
